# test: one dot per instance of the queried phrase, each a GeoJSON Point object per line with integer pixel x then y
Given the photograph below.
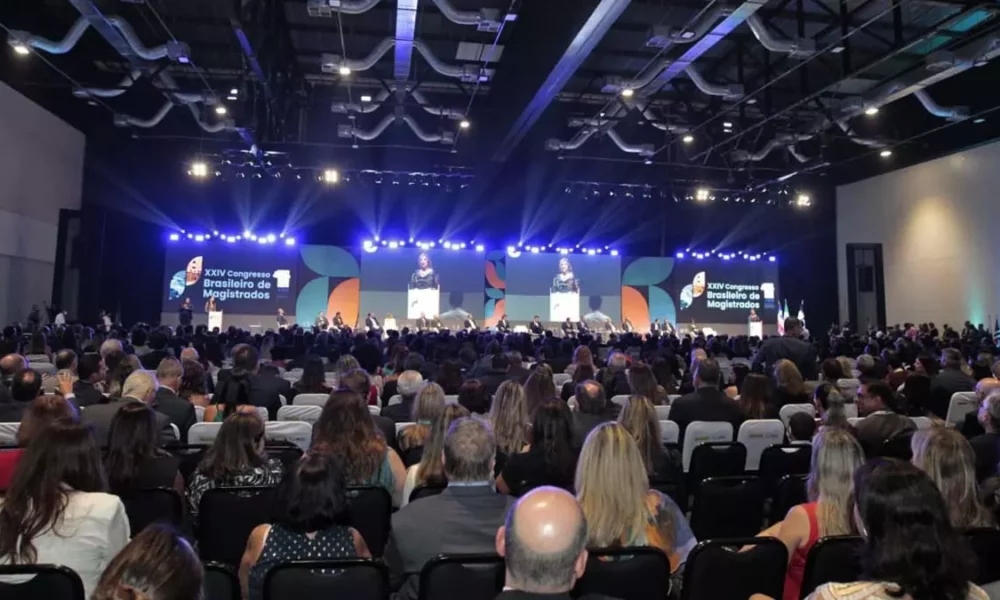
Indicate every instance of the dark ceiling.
{"type": "Point", "coordinates": [767, 90]}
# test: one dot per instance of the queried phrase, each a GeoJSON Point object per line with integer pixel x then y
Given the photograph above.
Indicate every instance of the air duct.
{"type": "Point", "coordinates": [640, 149]}
{"type": "Point", "coordinates": [779, 141]}
{"type": "Point", "coordinates": [123, 85]}
{"type": "Point", "coordinates": [349, 131]}
{"type": "Point", "coordinates": [731, 91]}
{"type": "Point", "coordinates": [467, 73]}
{"type": "Point", "coordinates": [327, 8]}
{"type": "Point", "coordinates": [332, 63]}
{"type": "Point", "coordinates": [174, 50]}
{"type": "Point", "coordinates": [454, 114]}
{"type": "Point", "coordinates": [800, 48]}
{"type": "Point", "coordinates": [663, 36]}
{"type": "Point", "coordinates": [556, 145]}
{"type": "Point", "coordinates": [802, 158]}
{"type": "Point", "coordinates": [122, 120]}
{"type": "Point", "coordinates": [46, 45]}
{"type": "Point", "coordinates": [406, 33]}
{"type": "Point", "coordinates": [861, 141]}
{"type": "Point", "coordinates": [662, 126]}
{"type": "Point", "coordinates": [614, 84]}
{"type": "Point", "coordinates": [445, 137]}
{"type": "Point", "coordinates": [224, 125]}
{"type": "Point", "coordinates": [485, 19]}
{"type": "Point", "coordinates": [954, 113]}
{"type": "Point", "coordinates": [343, 108]}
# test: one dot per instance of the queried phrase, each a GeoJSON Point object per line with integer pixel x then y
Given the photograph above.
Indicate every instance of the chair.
{"type": "Point", "coordinates": [286, 452]}
{"type": "Point", "coordinates": [832, 559]}
{"type": "Point", "coordinates": [985, 543]}
{"type": "Point", "coordinates": [8, 433]}
{"type": "Point", "coordinates": [621, 400]}
{"type": "Point", "coordinates": [788, 410]}
{"type": "Point", "coordinates": [190, 455]}
{"type": "Point", "coordinates": [727, 507]}
{"type": "Point", "coordinates": [42, 368]}
{"type": "Point", "coordinates": [561, 379]}
{"type": "Point", "coordinates": [451, 399]}
{"type": "Point", "coordinates": [851, 410]}
{"type": "Point", "coordinates": [625, 573]}
{"type": "Point", "coordinates": [203, 433]}
{"type": "Point", "coordinates": [402, 426]}
{"type": "Point", "coordinates": [306, 414]}
{"type": "Point", "coordinates": [478, 576]}
{"type": "Point", "coordinates": [700, 432]}
{"type": "Point", "coordinates": [670, 432]}
{"type": "Point", "coordinates": [852, 421]}
{"type": "Point", "coordinates": [922, 422]}
{"type": "Point", "coordinates": [174, 431]}
{"type": "Point", "coordinates": [148, 506]}
{"type": "Point", "coordinates": [758, 435]}
{"type": "Point", "coordinates": [662, 412]}
{"type": "Point", "coordinates": [293, 432]}
{"type": "Point", "coordinates": [790, 491]}
{"type": "Point", "coordinates": [51, 582]}
{"type": "Point", "coordinates": [226, 516]}
{"type": "Point", "coordinates": [356, 578]}
{"type": "Point", "coordinates": [395, 399]}
{"type": "Point", "coordinates": [897, 447]}
{"type": "Point", "coordinates": [716, 459]}
{"type": "Point", "coordinates": [199, 413]}
{"type": "Point", "coordinates": [783, 459]}
{"type": "Point", "coordinates": [311, 400]}
{"type": "Point", "coordinates": [221, 582]}
{"type": "Point", "coordinates": [374, 410]}
{"type": "Point", "coordinates": [370, 512]}
{"type": "Point", "coordinates": [282, 399]}
{"type": "Point", "coordinates": [962, 403]}
{"type": "Point", "coordinates": [716, 569]}
{"type": "Point", "coordinates": [426, 491]}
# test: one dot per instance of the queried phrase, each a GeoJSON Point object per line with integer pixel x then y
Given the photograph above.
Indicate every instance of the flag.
{"type": "Point", "coordinates": [802, 313]}
{"type": "Point", "coordinates": [781, 321]}
{"type": "Point", "coordinates": [788, 313]}
{"type": "Point", "coordinates": [996, 331]}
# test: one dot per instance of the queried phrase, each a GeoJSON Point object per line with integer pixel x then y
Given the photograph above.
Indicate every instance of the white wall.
{"type": "Point", "coordinates": [940, 234]}
{"type": "Point", "coordinates": [41, 172]}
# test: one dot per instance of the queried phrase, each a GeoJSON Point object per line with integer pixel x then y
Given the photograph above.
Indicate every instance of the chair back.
{"type": "Point", "coordinates": [851, 410]}
{"type": "Point", "coordinates": [701, 432]}
{"type": "Point", "coordinates": [296, 412]}
{"type": "Point", "coordinates": [625, 573]}
{"type": "Point", "coordinates": [155, 505]}
{"type": "Point", "coordinates": [356, 578]}
{"type": "Point", "coordinates": [8, 433]}
{"type": "Point", "coordinates": [298, 433]}
{"type": "Point", "coordinates": [374, 410]}
{"type": "Point", "coordinates": [395, 399]}
{"type": "Point", "coordinates": [922, 422]}
{"type": "Point", "coordinates": [286, 452]}
{"type": "Point", "coordinates": [226, 516]}
{"type": "Point", "coordinates": [717, 569]}
{"type": "Point", "coordinates": [203, 433]}
{"type": "Point", "coordinates": [727, 507]}
{"type": "Point", "coordinates": [621, 400]}
{"type": "Point", "coordinates": [962, 403]}
{"type": "Point", "coordinates": [897, 446]}
{"type": "Point", "coordinates": [190, 455]}
{"type": "Point", "coordinates": [786, 411]}
{"type": "Point", "coordinates": [199, 413]}
{"type": "Point", "coordinates": [426, 491]}
{"type": "Point", "coordinates": [985, 543]}
{"type": "Point", "coordinates": [370, 512]}
{"type": "Point", "coordinates": [783, 459]}
{"type": "Point", "coordinates": [832, 559]}
{"type": "Point", "coordinates": [42, 368]}
{"type": "Point", "coordinates": [758, 435]}
{"type": "Point", "coordinates": [849, 388]}
{"type": "Point", "coordinates": [662, 411]}
{"type": "Point", "coordinates": [670, 432]}
{"type": "Point", "coordinates": [853, 421]}
{"type": "Point", "coordinates": [221, 582]}
{"type": "Point", "coordinates": [561, 379]}
{"type": "Point", "coordinates": [478, 576]}
{"type": "Point", "coordinates": [790, 491]}
{"type": "Point", "coordinates": [716, 459]}
{"type": "Point", "coordinates": [48, 582]}
{"type": "Point", "coordinates": [310, 400]}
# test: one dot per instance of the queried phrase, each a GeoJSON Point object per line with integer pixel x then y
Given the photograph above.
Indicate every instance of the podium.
{"type": "Point", "coordinates": [564, 305]}
{"type": "Point", "coordinates": [756, 328]}
{"type": "Point", "coordinates": [214, 319]}
{"type": "Point", "coordinates": [425, 302]}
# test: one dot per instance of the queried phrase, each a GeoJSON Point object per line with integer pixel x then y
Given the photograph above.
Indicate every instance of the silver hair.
{"type": "Point", "coordinates": [409, 384]}
{"type": "Point", "coordinates": [139, 384]}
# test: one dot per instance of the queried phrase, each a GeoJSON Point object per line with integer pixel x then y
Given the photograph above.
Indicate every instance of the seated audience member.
{"type": "Point", "coordinates": [25, 386]}
{"type": "Point", "coordinates": [612, 487]}
{"type": "Point", "coordinates": [472, 395]}
{"type": "Point", "coordinates": [310, 523]}
{"type": "Point", "coordinates": [643, 383]}
{"type": "Point", "coordinates": [755, 398]}
{"type": "Point", "coordinates": [789, 387]}
{"type": "Point", "coordinates": [449, 376]}
{"type": "Point", "coordinates": [139, 387]}
{"type": "Point", "coordinates": [581, 356]}
{"type": "Point", "coordinates": [109, 346]}
{"type": "Point", "coordinates": [264, 391]}
{"type": "Point", "coordinates": [544, 545]}
{"type": "Point", "coordinates": [868, 368]}
{"type": "Point", "coordinates": [65, 360]}
{"type": "Point", "coordinates": [949, 381]}
{"type": "Point", "coordinates": [580, 374]}
{"type": "Point", "coordinates": [836, 455]}
{"type": "Point", "coordinates": [516, 372]}
{"type": "Point", "coordinates": [801, 428]}
{"type": "Point", "coordinates": [233, 395]}
{"type": "Point", "coordinates": [829, 404]}
{"type": "Point", "coordinates": [90, 373]}
{"type": "Point", "coordinates": [509, 417]}
{"type": "Point", "coordinates": [461, 519]}
{"type": "Point", "coordinates": [408, 385]}
{"type": "Point", "coordinates": [56, 510]}
{"type": "Point", "coordinates": [972, 425]}
{"type": "Point", "coordinates": [896, 374]}
{"type": "Point", "coordinates": [133, 459]}
{"type": "Point", "coordinates": [877, 404]}
{"type": "Point", "coordinates": [158, 564]}
{"type": "Point", "coordinates": [430, 470]}
{"type": "Point", "coordinates": [910, 549]}
{"type": "Point", "coordinates": [613, 376]}
{"type": "Point", "coordinates": [539, 387]}
{"type": "Point", "coordinates": [496, 375]}
{"type": "Point", "coordinates": [551, 458]}
{"type": "Point", "coordinates": [640, 420]}
{"type": "Point", "coordinates": [831, 371]}
{"type": "Point", "coordinates": [987, 446]}
{"type": "Point", "coordinates": [180, 411]}
{"type": "Point", "coordinates": [236, 459]}
{"type": "Point", "coordinates": [915, 396]}
{"type": "Point", "coordinates": [42, 412]}
{"type": "Point", "coordinates": [948, 459]}
{"type": "Point", "coordinates": [707, 402]}
{"type": "Point", "coordinates": [358, 381]}
{"type": "Point", "coordinates": [158, 351]}
{"type": "Point", "coordinates": [313, 380]}
{"type": "Point", "coordinates": [592, 409]}
{"type": "Point", "coordinates": [346, 430]}
{"type": "Point", "coordinates": [194, 386]}
{"type": "Point", "coordinates": [426, 411]}
{"type": "Point", "coordinates": [124, 368]}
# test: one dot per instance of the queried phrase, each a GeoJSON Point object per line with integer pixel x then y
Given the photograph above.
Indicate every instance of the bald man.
{"type": "Point", "coordinates": [544, 544]}
{"type": "Point", "coordinates": [10, 365]}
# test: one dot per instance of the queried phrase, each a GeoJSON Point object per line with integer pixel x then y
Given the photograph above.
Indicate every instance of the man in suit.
{"type": "Point", "coordinates": [408, 385]}
{"type": "Point", "coordinates": [516, 370]}
{"type": "Point", "coordinates": [24, 388]}
{"type": "Point", "coordinates": [140, 386]}
{"type": "Point", "coordinates": [422, 322]}
{"type": "Point", "coordinates": [503, 325]}
{"type": "Point", "coordinates": [707, 402]}
{"type": "Point", "coordinates": [371, 322]}
{"type": "Point", "coordinates": [545, 527]}
{"type": "Point", "coordinates": [264, 391]}
{"type": "Point", "coordinates": [592, 410]}
{"type": "Point", "coordinates": [10, 365]}
{"type": "Point", "coordinates": [790, 346]}
{"type": "Point", "coordinates": [877, 404]}
{"type": "Point", "coordinates": [321, 323]}
{"type": "Point", "coordinates": [568, 328]}
{"type": "Point", "coordinates": [90, 372]}
{"type": "Point", "coordinates": [654, 327]}
{"type": "Point", "coordinates": [462, 519]}
{"type": "Point", "coordinates": [180, 411]}
{"type": "Point", "coordinates": [158, 343]}
{"type": "Point", "coordinates": [338, 321]}
{"type": "Point", "coordinates": [949, 381]}
{"type": "Point", "coordinates": [64, 360]}
{"type": "Point", "coordinates": [536, 326]}
{"type": "Point", "coordinates": [470, 324]}
{"type": "Point", "coordinates": [497, 373]}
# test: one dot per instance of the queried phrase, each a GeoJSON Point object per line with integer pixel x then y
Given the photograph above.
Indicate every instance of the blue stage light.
{"type": "Point", "coordinates": [534, 249]}
{"type": "Point", "coordinates": [563, 251]}
{"type": "Point", "coordinates": [281, 235]}
{"type": "Point", "coordinates": [772, 258]}
{"type": "Point", "coordinates": [262, 240]}
{"type": "Point", "coordinates": [190, 236]}
{"type": "Point", "coordinates": [411, 240]}
{"type": "Point", "coordinates": [215, 233]}
{"type": "Point", "coordinates": [376, 238]}
{"type": "Point", "coordinates": [174, 237]}
{"type": "Point", "coordinates": [431, 244]}
{"type": "Point", "coordinates": [614, 253]}
{"type": "Point", "coordinates": [591, 252]}
{"type": "Point", "coordinates": [199, 238]}
{"type": "Point", "coordinates": [513, 252]}
{"type": "Point", "coordinates": [393, 245]}
{"type": "Point", "coordinates": [480, 248]}
{"type": "Point", "coordinates": [247, 233]}
{"type": "Point", "coordinates": [230, 239]}
{"type": "Point", "coordinates": [271, 238]}
{"type": "Point", "coordinates": [679, 255]}
{"type": "Point", "coordinates": [289, 241]}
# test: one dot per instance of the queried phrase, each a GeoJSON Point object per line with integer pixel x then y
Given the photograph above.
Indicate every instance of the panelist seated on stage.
{"type": "Point", "coordinates": [536, 326]}
{"type": "Point", "coordinates": [565, 281]}
{"type": "Point", "coordinates": [436, 323]}
{"type": "Point", "coordinates": [627, 326]}
{"type": "Point", "coordinates": [469, 323]}
{"type": "Point", "coordinates": [503, 325]}
{"type": "Point", "coordinates": [390, 323]}
{"type": "Point", "coordinates": [210, 305]}
{"type": "Point", "coordinates": [568, 327]}
{"type": "Point", "coordinates": [338, 320]}
{"type": "Point", "coordinates": [321, 321]}
{"type": "Point", "coordinates": [423, 322]}
{"type": "Point", "coordinates": [371, 322]}
{"type": "Point", "coordinates": [424, 278]}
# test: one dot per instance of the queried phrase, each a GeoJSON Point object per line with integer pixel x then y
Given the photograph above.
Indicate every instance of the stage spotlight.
{"type": "Point", "coordinates": [727, 124]}
{"type": "Point", "coordinates": [462, 245]}
{"type": "Point", "coordinates": [534, 249]}
{"type": "Point", "coordinates": [344, 71]}
{"type": "Point", "coordinates": [330, 176]}
{"type": "Point", "coordinates": [231, 240]}
{"type": "Point", "coordinates": [20, 49]}
{"type": "Point", "coordinates": [772, 258]}
{"type": "Point", "coordinates": [701, 194]}
{"type": "Point", "coordinates": [513, 252]}
{"type": "Point", "coordinates": [253, 238]}
{"type": "Point", "coordinates": [591, 252]}
{"type": "Point", "coordinates": [385, 243]}
{"type": "Point", "coordinates": [447, 245]}
{"type": "Point", "coordinates": [198, 169]}
{"type": "Point", "coordinates": [366, 98]}
{"type": "Point", "coordinates": [220, 109]}
{"type": "Point", "coordinates": [393, 245]}
{"type": "Point", "coordinates": [871, 111]}
{"type": "Point", "coordinates": [262, 240]}
{"type": "Point", "coordinates": [679, 255]}
{"type": "Point", "coordinates": [271, 238]}
{"type": "Point", "coordinates": [614, 253]}
{"type": "Point", "coordinates": [431, 244]}
{"type": "Point", "coordinates": [199, 238]}
{"type": "Point", "coordinates": [480, 248]}
{"type": "Point", "coordinates": [190, 236]}
{"type": "Point", "coordinates": [464, 124]}
{"type": "Point", "coordinates": [174, 237]}
{"type": "Point", "coordinates": [247, 233]}
{"type": "Point", "coordinates": [885, 153]}
{"type": "Point", "coordinates": [628, 93]}
{"type": "Point", "coordinates": [803, 200]}
{"type": "Point", "coordinates": [687, 139]}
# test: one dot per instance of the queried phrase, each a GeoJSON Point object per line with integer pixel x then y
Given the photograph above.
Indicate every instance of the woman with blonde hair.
{"type": "Point", "coordinates": [789, 386]}
{"type": "Point", "coordinates": [836, 455]}
{"type": "Point", "coordinates": [947, 457]}
{"type": "Point", "coordinates": [509, 415]}
{"type": "Point", "coordinates": [641, 422]}
{"type": "Point", "coordinates": [621, 511]}
{"type": "Point", "coordinates": [426, 410]}
{"type": "Point", "coordinates": [430, 469]}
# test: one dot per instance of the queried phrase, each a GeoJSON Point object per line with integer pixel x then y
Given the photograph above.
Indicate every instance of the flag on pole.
{"type": "Point", "coordinates": [802, 312]}
{"type": "Point", "coordinates": [996, 331]}
{"type": "Point", "coordinates": [788, 313]}
{"type": "Point", "coordinates": [781, 321]}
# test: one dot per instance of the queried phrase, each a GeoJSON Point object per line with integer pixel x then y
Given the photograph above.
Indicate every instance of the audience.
{"type": "Point", "coordinates": [41, 413]}
{"type": "Point", "coordinates": [158, 564]}
{"type": "Point", "coordinates": [789, 346]}
{"type": "Point", "coordinates": [472, 395]}
{"type": "Point", "coordinates": [641, 422]}
{"type": "Point", "coordinates": [539, 388]}
{"type": "Point", "coordinates": [877, 404]}
{"type": "Point", "coordinates": [642, 382]}
{"type": "Point", "coordinates": [408, 385]}
{"type": "Point", "coordinates": [831, 371]}
{"type": "Point", "coordinates": [613, 376]}
{"type": "Point", "coordinates": [948, 459]}
{"type": "Point", "coordinates": [140, 387]}
{"type": "Point", "coordinates": [194, 386]}
{"type": "Point", "coordinates": [261, 390]}
{"type": "Point", "coordinates": [949, 381]}
{"type": "Point", "coordinates": [25, 386]}
{"type": "Point", "coordinates": [987, 446]}
{"type": "Point", "coordinates": [707, 402]}
{"type": "Point", "coordinates": [449, 377]}
{"type": "Point", "coordinates": [510, 420]}
{"type": "Point", "coordinates": [426, 411]}
{"type": "Point", "coordinates": [829, 404]}
{"type": "Point", "coordinates": [592, 409]}
{"type": "Point", "coordinates": [90, 372]}
{"type": "Point", "coordinates": [429, 471]}
{"type": "Point", "coordinates": [580, 374]}
{"type": "Point", "coordinates": [755, 398]}
{"type": "Point", "coordinates": [550, 459]}
{"type": "Point", "coordinates": [789, 386]}
{"type": "Point", "coordinates": [133, 459]}
{"type": "Point", "coordinates": [180, 411]}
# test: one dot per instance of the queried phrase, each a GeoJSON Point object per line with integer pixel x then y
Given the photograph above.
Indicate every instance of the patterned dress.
{"type": "Point", "coordinates": [283, 546]}
{"type": "Point", "coordinates": [267, 475]}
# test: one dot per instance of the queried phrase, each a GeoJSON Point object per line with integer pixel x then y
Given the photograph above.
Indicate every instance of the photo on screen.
{"type": "Point", "coordinates": [557, 286]}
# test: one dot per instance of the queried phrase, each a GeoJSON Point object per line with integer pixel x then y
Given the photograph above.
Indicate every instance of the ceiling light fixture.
{"type": "Point", "coordinates": [198, 169]}
{"type": "Point", "coordinates": [727, 124]}
{"type": "Point", "coordinates": [366, 98]}
{"type": "Point", "coordinates": [330, 176]}
{"type": "Point", "coordinates": [234, 92]}
{"type": "Point", "coordinates": [979, 120]}
{"type": "Point", "coordinates": [628, 93]}
{"type": "Point", "coordinates": [465, 124]}
{"type": "Point", "coordinates": [344, 71]}
{"type": "Point", "coordinates": [687, 139]}
{"type": "Point", "coordinates": [20, 49]}
{"type": "Point", "coordinates": [837, 49]}
{"type": "Point", "coordinates": [885, 153]}
{"type": "Point", "coordinates": [871, 111]}
{"type": "Point", "coordinates": [220, 109]}
{"type": "Point", "coordinates": [803, 200]}
{"type": "Point", "coordinates": [701, 194]}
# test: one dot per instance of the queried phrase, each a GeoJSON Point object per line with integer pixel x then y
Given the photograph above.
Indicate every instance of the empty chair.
{"type": "Point", "coordinates": [716, 459]}
{"type": "Point", "coordinates": [716, 570]}
{"type": "Point", "coordinates": [478, 576]}
{"type": "Point", "coordinates": [625, 573]}
{"type": "Point", "coordinates": [221, 582]}
{"type": "Point", "coordinates": [788, 410]}
{"type": "Point", "coordinates": [145, 507]}
{"type": "Point", "coordinates": [8, 433]}
{"type": "Point", "coordinates": [962, 403]}
{"type": "Point", "coordinates": [985, 543]}
{"type": "Point", "coordinates": [226, 518]}
{"type": "Point", "coordinates": [757, 435]}
{"type": "Point", "coordinates": [203, 433]}
{"type": "Point", "coordinates": [662, 412]}
{"type": "Point", "coordinates": [48, 582]}
{"type": "Point", "coordinates": [293, 432]}
{"type": "Point", "coordinates": [620, 400]}
{"type": "Point", "coordinates": [306, 414]}
{"type": "Point", "coordinates": [310, 400]}
{"type": "Point", "coordinates": [727, 507]}
{"type": "Point", "coordinates": [370, 512]}
{"type": "Point", "coordinates": [670, 432]}
{"type": "Point", "coordinates": [783, 459]}
{"type": "Point", "coordinates": [833, 559]}
{"type": "Point", "coordinates": [700, 432]}
{"type": "Point", "coordinates": [358, 579]}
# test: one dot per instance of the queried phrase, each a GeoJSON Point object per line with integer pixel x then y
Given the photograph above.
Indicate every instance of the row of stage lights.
{"type": "Point", "coordinates": [248, 236]}
{"type": "Point", "coordinates": [375, 244]}
{"type": "Point", "coordinates": [515, 251]}
{"type": "Point", "coordinates": [725, 255]}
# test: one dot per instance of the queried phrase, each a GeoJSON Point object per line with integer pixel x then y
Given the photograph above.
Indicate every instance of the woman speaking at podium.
{"type": "Point", "coordinates": [210, 305]}
{"type": "Point", "coordinates": [565, 280]}
{"type": "Point", "coordinates": [424, 278]}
